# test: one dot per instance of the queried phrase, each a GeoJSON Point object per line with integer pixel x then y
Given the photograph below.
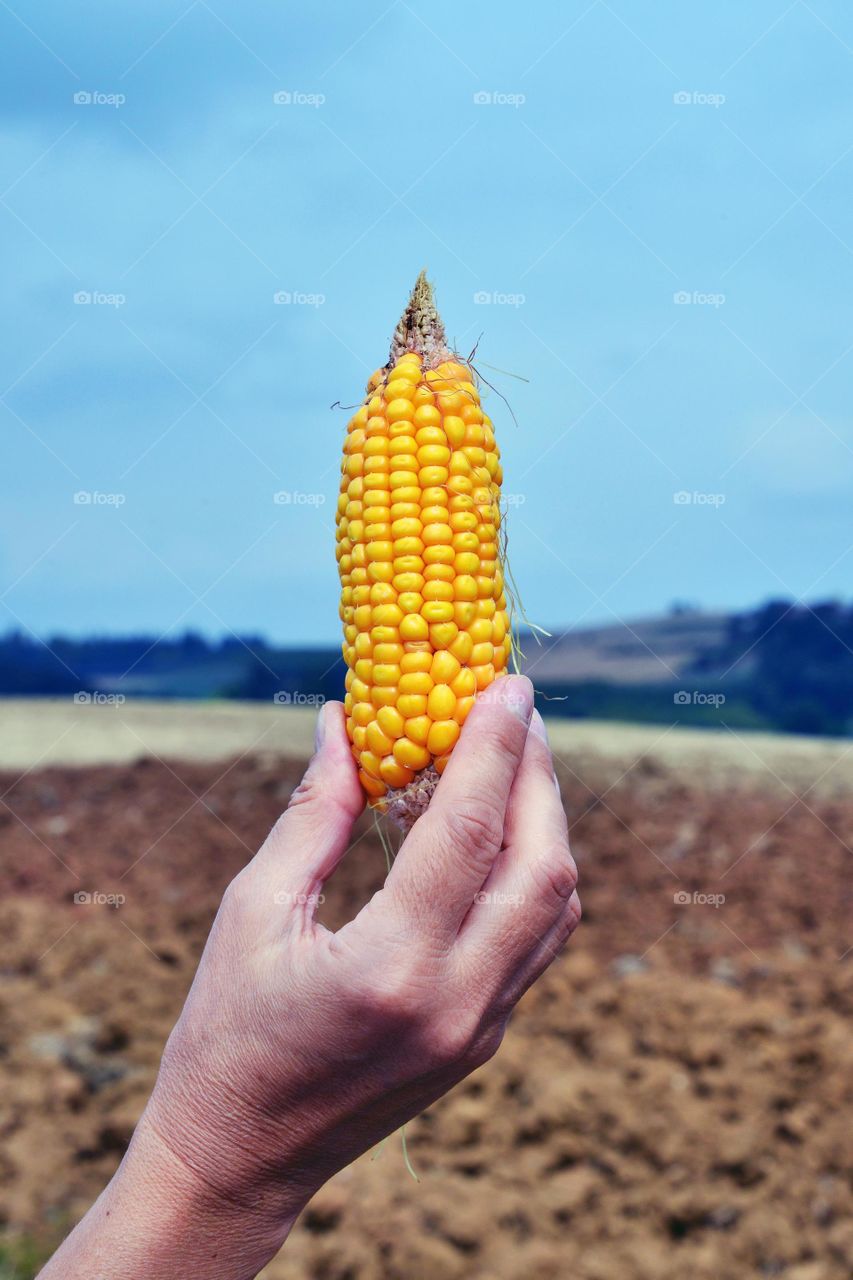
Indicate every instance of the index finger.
{"type": "Point", "coordinates": [450, 850]}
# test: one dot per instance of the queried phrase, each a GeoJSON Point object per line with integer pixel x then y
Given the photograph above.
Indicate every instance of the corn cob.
{"type": "Point", "coordinates": [418, 544]}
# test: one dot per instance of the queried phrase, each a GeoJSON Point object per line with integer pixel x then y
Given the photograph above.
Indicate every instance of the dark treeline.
{"type": "Point", "coordinates": [782, 666]}
{"type": "Point", "coordinates": [188, 666]}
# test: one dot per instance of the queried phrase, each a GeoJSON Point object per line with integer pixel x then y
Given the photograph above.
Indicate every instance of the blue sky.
{"type": "Point", "coordinates": [626, 156]}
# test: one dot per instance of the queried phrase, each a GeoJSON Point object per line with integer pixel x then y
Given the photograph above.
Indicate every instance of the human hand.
{"type": "Point", "coordinates": [299, 1048]}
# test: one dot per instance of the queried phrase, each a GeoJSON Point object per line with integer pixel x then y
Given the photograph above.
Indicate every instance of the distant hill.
{"type": "Point", "coordinates": [647, 651]}
{"type": "Point", "coordinates": [785, 666]}
{"type": "Point", "coordinates": [782, 666]}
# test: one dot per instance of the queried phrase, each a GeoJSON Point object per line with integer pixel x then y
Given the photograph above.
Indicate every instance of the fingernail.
{"type": "Point", "coordinates": [517, 696]}
{"type": "Point", "coordinates": [537, 726]}
{"type": "Point", "coordinates": [320, 729]}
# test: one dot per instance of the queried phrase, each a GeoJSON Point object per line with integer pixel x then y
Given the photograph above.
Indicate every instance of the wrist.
{"type": "Point", "coordinates": [160, 1219]}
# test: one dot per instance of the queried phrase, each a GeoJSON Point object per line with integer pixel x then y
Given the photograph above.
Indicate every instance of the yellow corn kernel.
{"type": "Point", "coordinates": [444, 668]}
{"type": "Point", "coordinates": [370, 763]}
{"type": "Point", "coordinates": [437, 610]}
{"type": "Point", "coordinates": [384, 695]}
{"type": "Point", "coordinates": [386, 673]}
{"type": "Point", "coordinates": [411, 601]}
{"type": "Point", "coordinates": [417, 729]}
{"type": "Point", "coordinates": [411, 705]}
{"type": "Point", "coordinates": [394, 773]}
{"type": "Point", "coordinates": [443, 736]}
{"type": "Point", "coordinates": [442, 634]}
{"type": "Point", "coordinates": [436, 589]}
{"type": "Point", "coordinates": [400, 411]}
{"type": "Point", "coordinates": [415, 682]}
{"type": "Point", "coordinates": [378, 742]}
{"type": "Point", "coordinates": [464, 685]}
{"type": "Point", "coordinates": [482, 653]}
{"type": "Point", "coordinates": [441, 702]}
{"type": "Point", "coordinates": [390, 722]}
{"type": "Point", "coordinates": [416, 660]}
{"type": "Point", "coordinates": [461, 646]}
{"type": "Point", "coordinates": [414, 627]}
{"type": "Point", "coordinates": [410, 754]}
{"type": "Point", "coordinates": [463, 706]}
{"type": "Point", "coordinates": [372, 786]}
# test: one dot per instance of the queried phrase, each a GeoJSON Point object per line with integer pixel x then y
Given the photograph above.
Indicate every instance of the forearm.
{"type": "Point", "coordinates": [157, 1221]}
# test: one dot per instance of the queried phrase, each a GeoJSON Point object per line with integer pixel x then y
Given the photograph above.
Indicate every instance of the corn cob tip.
{"type": "Point", "coordinates": [420, 328]}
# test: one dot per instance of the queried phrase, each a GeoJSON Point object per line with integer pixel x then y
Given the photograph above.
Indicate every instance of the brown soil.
{"type": "Point", "coordinates": [669, 1101]}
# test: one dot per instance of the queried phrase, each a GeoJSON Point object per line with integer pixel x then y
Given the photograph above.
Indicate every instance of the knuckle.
{"type": "Point", "coordinates": [453, 1038]}
{"type": "Point", "coordinates": [486, 1046]}
{"type": "Point", "coordinates": [238, 895]}
{"type": "Point", "coordinates": [557, 873]}
{"type": "Point", "coordinates": [476, 825]}
{"type": "Point", "coordinates": [307, 792]}
{"type": "Point", "coordinates": [574, 914]}
{"type": "Point", "coordinates": [398, 998]}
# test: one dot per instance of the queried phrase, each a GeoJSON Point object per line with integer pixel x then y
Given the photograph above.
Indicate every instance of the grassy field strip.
{"type": "Point", "coordinates": [41, 732]}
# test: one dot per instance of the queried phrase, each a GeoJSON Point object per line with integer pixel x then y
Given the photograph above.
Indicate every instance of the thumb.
{"type": "Point", "coordinates": [312, 834]}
